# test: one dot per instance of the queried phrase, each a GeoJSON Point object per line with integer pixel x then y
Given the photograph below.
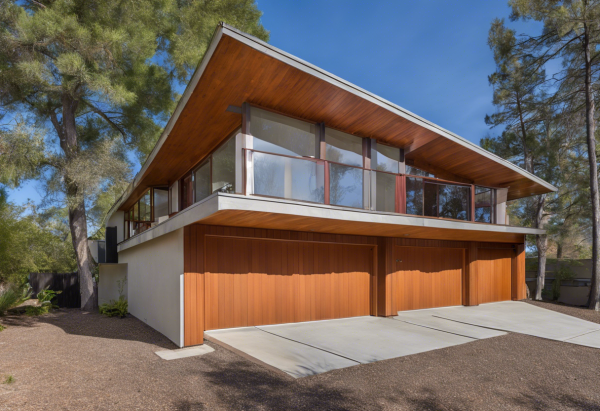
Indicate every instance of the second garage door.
{"type": "Point", "coordinates": [494, 274]}
{"type": "Point", "coordinates": [256, 282]}
{"type": "Point", "coordinates": [426, 277]}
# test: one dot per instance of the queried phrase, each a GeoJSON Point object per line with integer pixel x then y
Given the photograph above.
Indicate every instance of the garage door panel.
{"type": "Point", "coordinates": [271, 282]}
{"type": "Point", "coordinates": [426, 277]}
{"type": "Point", "coordinates": [494, 267]}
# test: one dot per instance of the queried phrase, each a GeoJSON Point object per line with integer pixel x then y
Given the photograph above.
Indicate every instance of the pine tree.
{"type": "Point", "coordinates": [84, 83]}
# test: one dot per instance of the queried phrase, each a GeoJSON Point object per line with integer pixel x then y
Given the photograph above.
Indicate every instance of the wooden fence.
{"type": "Point", "coordinates": [68, 283]}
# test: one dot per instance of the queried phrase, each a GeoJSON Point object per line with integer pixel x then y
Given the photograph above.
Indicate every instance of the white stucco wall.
{"type": "Point", "coordinates": [109, 274]}
{"type": "Point", "coordinates": [154, 281]}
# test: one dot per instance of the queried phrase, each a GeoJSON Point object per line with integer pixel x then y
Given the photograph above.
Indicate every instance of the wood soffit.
{"type": "Point", "coordinates": [237, 73]}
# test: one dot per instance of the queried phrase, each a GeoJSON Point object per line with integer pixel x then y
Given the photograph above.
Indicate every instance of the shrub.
{"type": "Point", "coordinates": [13, 296]}
{"type": "Point", "coordinates": [2, 328]}
{"type": "Point", "coordinates": [9, 379]}
{"type": "Point", "coordinates": [563, 273]}
{"type": "Point", "coordinates": [33, 310]}
{"type": "Point", "coordinates": [47, 298]}
{"type": "Point", "coordinates": [115, 308]}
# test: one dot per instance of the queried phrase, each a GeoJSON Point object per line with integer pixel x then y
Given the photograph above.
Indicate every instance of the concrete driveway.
{"type": "Point", "coordinates": [309, 348]}
{"type": "Point", "coordinates": [303, 349]}
{"type": "Point", "coordinates": [513, 316]}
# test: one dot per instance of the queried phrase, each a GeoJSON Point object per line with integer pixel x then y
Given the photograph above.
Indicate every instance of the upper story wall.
{"type": "Point", "coordinates": [279, 156]}
{"type": "Point", "coordinates": [209, 111]}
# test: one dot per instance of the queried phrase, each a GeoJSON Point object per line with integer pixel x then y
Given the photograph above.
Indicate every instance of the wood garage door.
{"type": "Point", "coordinates": [494, 268]}
{"type": "Point", "coordinates": [426, 277]}
{"type": "Point", "coordinates": [257, 282]}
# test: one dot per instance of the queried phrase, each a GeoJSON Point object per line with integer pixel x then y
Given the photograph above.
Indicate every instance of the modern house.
{"type": "Point", "coordinates": [281, 193]}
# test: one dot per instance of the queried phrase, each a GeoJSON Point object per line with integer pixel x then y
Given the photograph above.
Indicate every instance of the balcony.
{"type": "Point", "coordinates": [326, 182]}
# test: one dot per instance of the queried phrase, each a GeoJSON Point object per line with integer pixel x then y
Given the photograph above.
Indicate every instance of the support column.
{"type": "Point", "coordinates": [366, 151]}
{"type": "Point", "coordinates": [244, 176]}
{"type": "Point", "coordinates": [471, 280]}
{"type": "Point", "coordinates": [373, 164]}
{"type": "Point", "coordinates": [385, 267]}
{"type": "Point", "coordinates": [518, 282]}
{"type": "Point", "coordinates": [402, 163]}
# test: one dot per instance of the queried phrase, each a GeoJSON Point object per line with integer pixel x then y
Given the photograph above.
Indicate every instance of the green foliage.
{"type": "Point", "coordinates": [85, 85]}
{"type": "Point", "coordinates": [118, 62]}
{"type": "Point", "coordinates": [540, 132]}
{"type": "Point", "coordinates": [9, 379]}
{"type": "Point", "coordinates": [32, 242]}
{"type": "Point", "coordinates": [12, 296]}
{"type": "Point", "coordinates": [114, 308]}
{"type": "Point", "coordinates": [563, 273]}
{"type": "Point", "coordinates": [2, 328]}
{"type": "Point", "coordinates": [34, 310]}
{"type": "Point", "coordinates": [47, 298]}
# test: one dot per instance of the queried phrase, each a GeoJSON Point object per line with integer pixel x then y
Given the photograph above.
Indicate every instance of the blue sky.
{"type": "Point", "coordinates": [430, 57]}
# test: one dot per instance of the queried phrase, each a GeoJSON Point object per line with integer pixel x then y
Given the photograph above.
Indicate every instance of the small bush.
{"type": "Point", "coordinates": [9, 379]}
{"type": "Point", "coordinates": [47, 298]}
{"type": "Point", "coordinates": [115, 308]}
{"type": "Point", "coordinates": [2, 328]}
{"type": "Point", "coordinates": [13, 296]}
{"type": "Point", "coordinates": [34, 310]}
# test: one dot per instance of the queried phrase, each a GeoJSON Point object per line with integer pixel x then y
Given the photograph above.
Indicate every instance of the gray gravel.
{"type": "Point", "coordinates": [73, 361]}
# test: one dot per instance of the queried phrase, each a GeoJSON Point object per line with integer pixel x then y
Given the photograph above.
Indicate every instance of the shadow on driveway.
{"type": "Point", "coordinates": [243, 385]}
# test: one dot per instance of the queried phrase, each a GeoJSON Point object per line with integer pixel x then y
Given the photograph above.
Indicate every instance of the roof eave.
{"type": "Point", "coordinates": [257, 44]}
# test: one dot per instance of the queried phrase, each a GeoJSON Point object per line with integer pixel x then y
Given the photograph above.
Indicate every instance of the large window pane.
{"type": "Point", "coordinates": [386, 192]}
{"type": "Point", "coordinates": [290, 178]}
{"type": "Point", "coordinates": [483, 214]}
{"type": "Point", "coordinates": [414, 196]}
{"type": "Point", "coordinates": [454, 202]}
{"type": "Point", "coordinates": [279, 134]}
{"type": "Point", "coordinates": [343, 148]}
{"type": "Point", "coordinates": [161, 203]}
{"type": "Point", "coordinates": [223, 164]}
{"type": "Point", "coordinates": [430, 200]}
{"type": "Point", "coordinates": [346, 186]}
{"type": "Point", "coordinates": [147, 216]}
{"type": "Point", "coordinates": [202, 187]}
{"type": "Point", "coordinates": [388, 158]}
{"type": "Point", "coordinates": [484, 204]}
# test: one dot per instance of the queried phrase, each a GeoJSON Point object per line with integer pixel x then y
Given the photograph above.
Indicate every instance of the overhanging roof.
{"type": "Point", "coordinates": [239, 68]}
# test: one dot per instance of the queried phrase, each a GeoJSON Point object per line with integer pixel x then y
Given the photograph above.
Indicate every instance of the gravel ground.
{"type": "Point", "coordinates": [73, 361]}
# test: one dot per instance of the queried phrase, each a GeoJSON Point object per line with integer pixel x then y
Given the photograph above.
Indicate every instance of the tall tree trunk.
{"type": "Point", "coordinates": [541, 242]}
{"type": "Point", "coordinates": [76, 205]}
{"type": "Point", "coordinates": [527, 160]}
{"type": "Point", "coordinates": [594, 299]}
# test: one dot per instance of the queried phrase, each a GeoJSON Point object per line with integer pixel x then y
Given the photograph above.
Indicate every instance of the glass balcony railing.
{"type": "Point", "coordinates": [326, 182]}
{"type": "Point", "coordinates": [288, 177]}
